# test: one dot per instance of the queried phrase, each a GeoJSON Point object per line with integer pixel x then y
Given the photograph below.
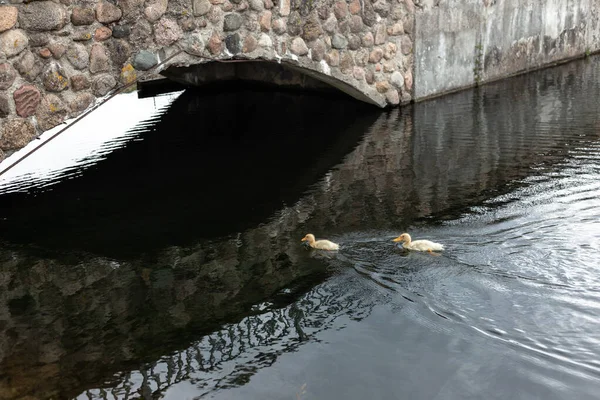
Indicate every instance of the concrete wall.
{"type": "Point", "coordinates": [459, 43]}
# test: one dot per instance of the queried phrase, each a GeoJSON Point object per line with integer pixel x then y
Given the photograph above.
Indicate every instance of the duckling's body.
{"type": "Point", "coordinates": [418, 245]}
{"type": "Point", "coordinates": [320, 244]}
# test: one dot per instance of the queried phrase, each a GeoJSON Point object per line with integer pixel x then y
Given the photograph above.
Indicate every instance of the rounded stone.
{"type": "Point", "coordinates": [356, 24]}
{"type": "Point", "coordinates": [408, 80]}
{"type": "Point", "coordinates": [167, 31]}
{"type": "Point", "coordinates": [358, 73]}
{"type": "Point", "coordinates": [346, 63]}
{"type": "Point", "coordinates": [27, 98]}
{"type": "Point", "coordinates": [57, 49]}
{"type": "Point", "coordinates": [265, 21]}
{"type": "Point", "coordinates": [396, 29]}
{"type": "Point", "coordinates": [13, 42]}
{"type": "Point", "coordinates": [82, 16]}
{"type": "Point", "coordinates": [156, 10]}
{"type": "Point", "coordinates": [187, 24]}
{"type": "Point", "coordinates": [102, 33]}
{"type": "Point", "coordinates": [317, 50]}
{"type": "Point", "coordinates": [4, 109]}
{"type": "Point", "coordinates": [369, 76]}
{"type": "Point", "coordinates": [79, 82]}
{"type": "Point", "coordinates": [405, 45]}
{"type": "Point", "coordinates": [51, 112]}
{"type": "Point", "coordinates": [376, 55]}
{"type": "Point", "coordinates": [397, 79]}
{"type": "Point", "coordinates": [279, 26]}
{"type": "Point", "coordinates": [54, 77]}
{"type": "Point", "coordinates": [298, 47]}
{"type": "Point", "coordinates": [215, 44]}
{"type": "Point", "coordinates": [78, 56]}
{"type": "Point", "coordinates": [128, 74]}
{"type": "Point", "coordinates": [338, 41]}
{"type": "Point", "coordinates": [200, 7]}
{"type": "Point", "coordinates": [392, 97]}
{"type": "Point", "coordinates": [16, 133]}
{"type": "Point", "coordinates": [333, 58]}
{"type": "Point", "coordinates": [368, 40]}
{"type": "Point", "coordinates": [233, 43]}
{"type": "Point", "coordinates": [382, 86]}
{"type": "Point", "coordinates": [355, 7]}
{"type": "Point", "coordinates": [265, 41]}
{"type": "Point", "coordinates": [340, 9]}
{"type": "Point", "coordinates": [353, 42]}
{"type": "Point", "coordinates": [102, 84]}
{"type": "Point", "coordinates": [380, 34]}
{"type": "Point", "coordinates": [389, 66]}
{"type": "Point", "coordinates": [250, 44]}
{"type": "Point", "coordinates": [28, 66]}
{"type": "Point", "coordinates": [362, 57]}
{"type": "Point", "coordinates": [144, 60]}
{"type": "Point", "coordinates": [232, 22]}
{"type": "Point", "coordinates": [42, 16]}
{"type": "Point", "coordinates": [215, 15]}
{"type": "Point", "coordinates": [8, 17]}
{"type": "Point", "coordinates": [45, 53]}
{"type": "Point", "coordinates": [80, 102]}
{"type": "Point", "coordinates": [227, 6]}
{"type": "Point", "coordinates": [107, 12]}
{"type": "Point", "coordinates": [99, 61]}
{"type": "Point", "coordinates": [390, 50]}
{"type": "Point", "coordinates": [256, 5]}
{"type": "Point", "coordinates": [194, 45]}
{"type": "Point", "coordinates": [38, 39]}
{"type": "Point", "coordinates": [311, 29]}
{"type": "Point", "coordinates": [7, 76]}
{"type": "Point", "coordinates": [121, 31]}
{"type": "Point", "coordinates": [330, 24]}
{"type": "Point", "coordinates": [119, 51]}
{"type": "Point", "coordinates": [382, 7]}
{"type": "Point", "coordinates": [294, 24]}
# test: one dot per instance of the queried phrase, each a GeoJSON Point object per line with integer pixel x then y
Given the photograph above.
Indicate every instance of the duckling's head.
{"type": "Point", "coordinates": [309, 238]}
{"type": "Point", "coordinates": [405, 237]}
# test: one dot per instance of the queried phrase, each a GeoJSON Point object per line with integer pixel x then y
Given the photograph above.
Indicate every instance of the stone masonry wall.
{"type": "Point", "coordinates": [58, 57]}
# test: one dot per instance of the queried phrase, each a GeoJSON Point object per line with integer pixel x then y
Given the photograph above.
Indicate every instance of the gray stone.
{"type": "Point", "coordinates": [82, 35]}
{"type": "Point", "coordinates": [382, 7]}
{"type": "Point", "coordinates": [298, 47]}
{"type": "Point", "coordinates": [232, 22]}
{"type": "Point", "coordinates": [256, 5]}
{"type": "Point", "coordinates": [167, 31]}
{"type": "Point", "coordinates": [155, 10]}
{"type": "Point", "coordinates": [188, 24]}
{"type": "Point", "coordinates": [8, 17]}
{"type": "Point", "coordinates": [376, 55]}
{"type": "Point", "coordinates": [362, 57]}
{"type": "Point", "coordinates": [358, 73]}
{"type": "Point", "coordinates": [103, 84]}
{"type": "Point", "coordinates": [7, 76]}
{"type": "Point", "coordinates": [99, 61]}
{"type": "Point", "coordinates": [141, 33]}
{"type": "Point", "coordinates": [233, 43]}
{"type": "Point", "coordinates": [16, 133]}
{"type": "Point", "coordinates": [317, 50]}
{"type": "Point", "coordinates": [83, 16]}
{"type": "Point", "coordinates": [79, 82]}
{"type": "Point", "coordinates": [380, 34]}
{"type": "Point", "coordinates": [200, 7]}
{"type": "Point", "coordinates": [397, 79]}
{"type": "Point", "coordinates": [144, 60]}
{"type": "Point", "coordinates": [119, 51]}
{"type": "Point", "coordinates": [42, 16]}
{"type": "Point", "coordinates": [78, 56]}
{"type": "Point", "coordinates": [346, 63]}
{"type": "Point", "coordinates": [215, 15]}
{"type": "Point", "coordinates": [368, 15]}
{"type": "Point", "coordinates": [121, 31]}
{"type": "Point", "coordinates": [28, 66]}
{"type": "Point", "coordinates": [27, 98]}
{"type": "Point", "coordinates": [54, 77]}
{"type": "Point", "coordinates": [330, 24]}
{"type": "Point", "coordinates": [312, 28]}
{"type": "Point", "coordinates": [353, 42]}
{"type": "Point", "coordinates": [406, 45]}
{"type": "Point", "coordinates": [294, 24]}
{"type": "Point", "coordinates": [57, 49]}
{"type": "Point", "coordinates": [194, 45]}
{"type": "Point", "coordinates": [130, 8]}
{"type": "Point", "coordinates": [339, 41]}
{"type": "Point", "coordinates": [368, 40]}
{"type": "Point", "coordinates": [392, 96]}
{"type": "Point", "coordinates": [4, 106]}
{"type": "Point", "coordinates": [38, 39]}
{"type": "Point", "coordinates": [80, 102]}
{"type": "Point", "coordinates": [13, 42]}
{"type": "Point", "coordinates": [369, 76]}
{"type": "Point", "coordinates": [356, 24]}
{"type": "Point", "coordinates": [107, 12]}
{"type": "Point", "coordinates": [51, 112]}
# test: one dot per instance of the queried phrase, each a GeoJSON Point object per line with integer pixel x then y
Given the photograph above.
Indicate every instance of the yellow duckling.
{"type": "Point", "coordinates": [418, 245]}
{"type": "Point", "coordinates": [319, 244]}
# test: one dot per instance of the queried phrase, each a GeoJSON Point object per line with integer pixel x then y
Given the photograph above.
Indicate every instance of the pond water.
{"type": "Point", "coordinates": [153, 250]}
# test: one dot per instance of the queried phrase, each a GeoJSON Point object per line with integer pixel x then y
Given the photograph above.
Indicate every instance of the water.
{"type": "Point", "coordinates": [162, 258]}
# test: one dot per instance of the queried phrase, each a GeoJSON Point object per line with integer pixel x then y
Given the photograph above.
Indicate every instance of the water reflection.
{"type": "Point", "coordinates": [185, 277]}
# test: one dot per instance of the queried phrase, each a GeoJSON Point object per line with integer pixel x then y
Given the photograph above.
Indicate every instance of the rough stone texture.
{"type": "Point", "coordinates": [312, 28]}
{"type": "Point", "coordinates": [79, 82]}
{"type": "Point", "coordinates": [16, 133]}
{"type": "Point", "coordinates": [121, 31]}
{"type": "Point", "coordinates": [57, 49]}
{"type": "Point", "coordinates": [42, 16]}
{"type": "Point", "coordinates": [141, 34]}
{"type": "Point", "coordinates": [201, 7]}
{"type": "Point", "coordinates": [279, 26]}
{"type": "Point", "coordinates": [265, 21]}
{"type": "Point", "coordinates": [144, 60]}
{"type": "Point", "coordinates": [8, 17]}
{"type": "Point", "coordinates": [54, 77]}
{"type": "Point", "coordinates": [4, 106]}
{"type": "Point", "coordinates": [107, 12]}
{"type": "Point", "coordinates": [28, 65]}
{"type": "Point", "coordinates": [119, 51]}
{"type": "Point", "coordinates": [13, 42]}
{"type": "Point", "coordinates": [7, 76]}
{"type": "Point", "coordinates": [102, 84]}
{"type": "Point", "coordinates": [368, 40]}
{"type": "Point", "coordinates": [27, 98]}
{"type": "Point", "coordinates": [45, 53]}
{"type": "Point", "coordinates": [167, 31]}
{"type": "Point", "coordinates": [339, 41]}
{"type": "Point", "coordinates": [250, 44]}
{"type": "Point", "coordinates": [99, 61]}
{"type": "Point", "coordinates": [38, 39]}
{"type": "Point", "coordinates": [79, 103]}
{"type": "Point", "coordinates": [78, 56]}
{"type": "Point", "coordinates": [51, 112]}
{"type": "Point", "coordinates": [102, 33]}
{"type": "Point", "coordinates": [128, 74]}
{"type": "Point", "coordinates": [155, 10]}
{"type": "Point", "coordinates": [82, 16]}
{"type": "Point", "coordinates": [232, 22]}
{"type": "Point", "coordinates": [215, 44]}
{"type": "Point", "coordinates": [298, 47]}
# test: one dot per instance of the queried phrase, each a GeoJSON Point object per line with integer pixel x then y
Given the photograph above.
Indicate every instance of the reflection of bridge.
{"type": "Point", "coordinates": [184, 311]}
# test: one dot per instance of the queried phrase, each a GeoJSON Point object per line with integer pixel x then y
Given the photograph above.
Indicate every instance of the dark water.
{"type": "Point", "coordinates": [168, 263]}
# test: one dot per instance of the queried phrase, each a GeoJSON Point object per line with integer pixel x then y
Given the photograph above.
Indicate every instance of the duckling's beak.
{"type": "Point", "coordinates": [398, 239]}
{"type": "Point", "coordinates": [304, 239]}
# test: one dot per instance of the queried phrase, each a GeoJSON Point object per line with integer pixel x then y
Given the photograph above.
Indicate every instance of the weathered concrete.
{"type": "Point", "coordinates": [460, 43]}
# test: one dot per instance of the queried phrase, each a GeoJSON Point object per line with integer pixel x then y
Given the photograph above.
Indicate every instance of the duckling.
{"type": "Point", "coordinates": [319, 244]}
{"type": "Point", "coordinates": [418, 245]}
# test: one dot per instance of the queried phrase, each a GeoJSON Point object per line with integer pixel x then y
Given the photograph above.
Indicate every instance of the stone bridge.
{"type": "Point", "coordinates": [59, 57]}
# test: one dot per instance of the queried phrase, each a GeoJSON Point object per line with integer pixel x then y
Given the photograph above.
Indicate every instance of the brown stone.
{"type": "Point", "coordinates": [268, 4]}
{"type": "Point", "coordinates": [265, 21]}
{"type": "Point", "coordinates": [389, 66]}
{"type": "Point", "coordinates": [380, 34]}
{"type": "Point", "coordinates": [369, 77]}
{"type": "Point", "coordinates": [358, 73]}
{"type": "Point", "coordinates": [340, 9]}
{"type": "Point", "coordinates": [392, 97]}
{"type": "Point", "coordinates": [102, 33]}
{"type": "Point", "coordinates": [107, 12]}
{"type": "Point", "coordinates": [368, 40]}
{"type": "Point", "coordinates": [317, 50]}
{"type": "Point", "coordinates": [376, 55]}
{"type": "Point", "coordinates": [16, 133]}
{"type": "Point", "coordinates": [27, 98]}
{"type": "Point", "coordinates": [38, 39]}
{"type": "Point", "coordinates": [4, 106]}
{"type": "Point", "coordinates": [45, 53]}
{"type": "Point", "coordinates": [298, 47]}
{"type": "Point", "coordinates": [51, 112]}
{"type": "Point", "coordinates": [82, 16]}
{"type": "Point", "coordinates": [54, 77]}
{"type": "Point", "coordinates": [382, 86]}
{"type": "Point", "coordinates": [7, 76]}
{"type": "Point", "coordinates": [354, 7]}
{"type": "Point", "coordinates": [396, 29]}
{"type": "Point", "coordinates": [390, 50]}
{"type": "Point", "coordinates": [346, 63]}
{"type": "Point", "coordinates": [408, 80]}
{"type": "Point", "coordinates": [167, 31]}
{"type": "Point", "coordinates": [57, 49]}
{"type": "Point", "coordinates": [406, 45]}
{"type": "Point", "coordinates": [99, 61]}
{"type": "Point", "coordinates": [215, 44]}
{"type": "Point", "coordinates": [250, 44]}
{"type": "Point", "coordinates": [356, 24]}
{"type": "Point", "coordinates": [312, 28]}
{"type": "Point", "coordinates": [79, 82]}
{"type": "Point", "coordinates": [8, 17]}
{"type": "Point", "coordinates": [279, 26]}
{"type": "Point", "coordinates": [330, 25]}
{"type": "Point", "coordinates": [333, 58]}
{"type": "Point", "coordinates": [243, 6]}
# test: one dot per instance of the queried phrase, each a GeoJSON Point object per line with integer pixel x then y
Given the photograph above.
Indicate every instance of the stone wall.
{"type": "Point", "coordinates": [460, 43]}
{"type": "Point", "coordinates": [58, 57]}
